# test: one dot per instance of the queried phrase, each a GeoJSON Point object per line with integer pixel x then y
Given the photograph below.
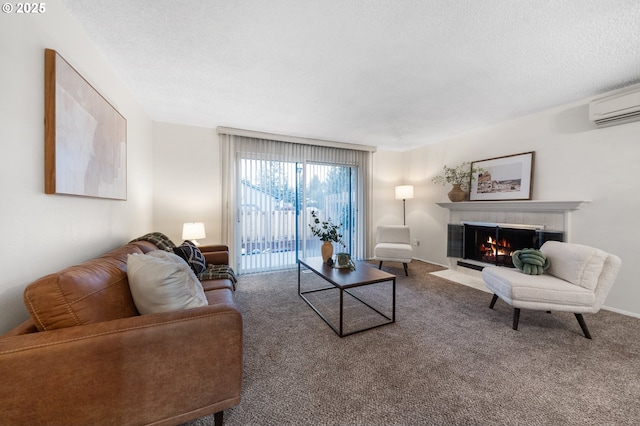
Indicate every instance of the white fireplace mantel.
{"type": "Point", "coordinates": [521, 206]}
{"type": "Point", "coordinates": [553, 215]}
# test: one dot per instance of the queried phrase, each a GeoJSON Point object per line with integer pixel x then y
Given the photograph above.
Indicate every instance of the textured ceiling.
{"type": "Point", "coordinates": [395, 74]}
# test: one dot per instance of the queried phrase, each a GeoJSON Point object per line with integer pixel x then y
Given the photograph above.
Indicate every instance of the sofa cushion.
{"type": "Point", "coordinates": [578, 264]}
{"type": "Point", "coordinates": [161, 281]}
{"type": "Point", "coordinates": [94, 291]}
{"type": "Point", "coordinates": [216, 284]}
{"type": "Point", "coordinates": [221, 295]}
{"type": "Point", "coordinates": [192, 255]}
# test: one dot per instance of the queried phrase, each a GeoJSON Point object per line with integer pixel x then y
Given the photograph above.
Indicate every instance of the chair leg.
{"type": "Point", "coordinates": [583, 325]}
{"type": "Point", "coordinates": [516, 317]}
{"type": "Point", "coordinates": [380, 265]}
{"type": "Point", "coordinates": [218, 418]}
{"type": "Point", "coordinates": [406, 270]}
{"type": "Point", "coordinates": [493, 301]}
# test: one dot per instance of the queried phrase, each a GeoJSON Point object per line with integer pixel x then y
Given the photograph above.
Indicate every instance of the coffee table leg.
{"type": "Point", "coordinates": [341, 309]}
{"type": "Point", "coordinates": [393, 309]}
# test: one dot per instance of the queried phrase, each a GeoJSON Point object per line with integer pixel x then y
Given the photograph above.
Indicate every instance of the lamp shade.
{"type": "Point", "coordinates": [404, 192]}
{"type": "Point", "coordinates": [193, 231]}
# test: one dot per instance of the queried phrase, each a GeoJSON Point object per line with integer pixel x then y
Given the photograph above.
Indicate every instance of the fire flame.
{"type": "Point", "coordinates": [500, 248]}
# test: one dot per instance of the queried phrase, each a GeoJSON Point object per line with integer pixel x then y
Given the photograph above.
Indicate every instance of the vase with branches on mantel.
{"type": "Point", "coordinates": [460, 177]}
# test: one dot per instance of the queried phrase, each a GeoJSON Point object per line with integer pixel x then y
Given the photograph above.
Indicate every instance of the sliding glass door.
{"type": "Point", "coordinates": [275, 200]}
{"type": "Point", "coordinates": [330, 192]}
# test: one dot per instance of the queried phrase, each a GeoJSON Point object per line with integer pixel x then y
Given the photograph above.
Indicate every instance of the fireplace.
{"type": "Point", "coordinates": [494, 243]}
{"type": "Point", "coordinates": [553, 218]}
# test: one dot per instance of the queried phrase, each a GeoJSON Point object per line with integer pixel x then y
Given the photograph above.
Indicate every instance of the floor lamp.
{"type": "Point", "coordinates": [404, 193]}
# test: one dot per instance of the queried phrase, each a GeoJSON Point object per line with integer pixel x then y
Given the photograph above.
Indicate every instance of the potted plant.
{"type": "Point", "coordinates": [459, 176]}
{"type": "Point", "coordinates": [328, 234]}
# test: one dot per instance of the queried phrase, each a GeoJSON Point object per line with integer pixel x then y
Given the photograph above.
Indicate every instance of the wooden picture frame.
{"type": "Point", "coordinates": [503, 178]}
{"type": "Point", "coordinates": [85, 136]}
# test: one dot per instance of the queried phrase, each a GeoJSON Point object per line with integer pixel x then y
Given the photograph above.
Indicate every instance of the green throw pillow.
{"type": "Point", "coordinates": [530, 261]}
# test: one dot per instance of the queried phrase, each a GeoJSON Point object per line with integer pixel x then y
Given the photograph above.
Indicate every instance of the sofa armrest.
{"type": "Point", "coordinates": [217, 254]}
{"type": "Point", "coordinates": [214, 247]}
{"type": "Point", "coordinates": [25, 328]}
{"type": "Point", "coordinates": [167, 368]}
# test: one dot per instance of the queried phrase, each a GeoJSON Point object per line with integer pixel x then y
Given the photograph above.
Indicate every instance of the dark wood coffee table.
{"type": "Point", "coordinates": [345, 279]}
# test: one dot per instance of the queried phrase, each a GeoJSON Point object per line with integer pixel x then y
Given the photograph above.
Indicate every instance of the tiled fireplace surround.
{"type": "Point", "coordinates": [553, 215]}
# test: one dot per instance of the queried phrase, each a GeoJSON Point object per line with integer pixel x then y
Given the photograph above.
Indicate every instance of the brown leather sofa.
{"type": "Point", "coordinates": [86, 357]}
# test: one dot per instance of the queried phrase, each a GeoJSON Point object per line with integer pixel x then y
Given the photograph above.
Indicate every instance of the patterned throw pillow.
{"type": "Point", "coordinates": [192, 255]}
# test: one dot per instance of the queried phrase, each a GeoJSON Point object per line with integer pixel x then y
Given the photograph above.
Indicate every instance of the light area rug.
{"type": "Point", "coordinates": [447, 360]}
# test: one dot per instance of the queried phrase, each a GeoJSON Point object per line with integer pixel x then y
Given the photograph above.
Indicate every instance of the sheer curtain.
{"type": "Point", "coordinates": [236, 144]}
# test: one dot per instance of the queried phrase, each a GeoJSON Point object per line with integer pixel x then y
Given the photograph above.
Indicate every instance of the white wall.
{"type": "Point", "coordinates": [187, 180]}
{"type": "Point", "coordinates": [388, 167]}
{"type": "Point", "coordinates": [573, 161]}
{"type": "Point", "coordinates": [44, 233]}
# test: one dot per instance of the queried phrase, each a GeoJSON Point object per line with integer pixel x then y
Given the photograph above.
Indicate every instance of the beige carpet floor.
{"type": "Point", "coordinates": [447, 360]}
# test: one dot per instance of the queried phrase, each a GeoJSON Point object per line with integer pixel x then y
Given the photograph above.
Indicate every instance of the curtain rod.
{"type": "Point", "coordinates": [292, 139]}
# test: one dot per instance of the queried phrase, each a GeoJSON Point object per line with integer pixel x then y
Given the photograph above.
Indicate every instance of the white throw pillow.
{"type": "Point", "coordinates": [161, 281]}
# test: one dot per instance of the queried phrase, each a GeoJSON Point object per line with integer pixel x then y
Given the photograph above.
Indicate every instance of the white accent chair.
{"type": "Point", "coordinates": [393, 244]}
{"type": "Point", "coordinates": [578, 280]}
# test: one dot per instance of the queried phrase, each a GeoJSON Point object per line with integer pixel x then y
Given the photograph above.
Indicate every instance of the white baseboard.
{"type": "Point", "coordinates": [620, 311]}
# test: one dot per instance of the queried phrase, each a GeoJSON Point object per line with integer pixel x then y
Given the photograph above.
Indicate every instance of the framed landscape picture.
{"type": "Point", "coordinates": [85, 136]}
{"type": "Point", "coordinates": [502, 178]}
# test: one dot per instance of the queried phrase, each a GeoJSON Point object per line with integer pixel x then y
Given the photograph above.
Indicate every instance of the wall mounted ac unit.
{"type": "Point", "coordinates": [623, 107]}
